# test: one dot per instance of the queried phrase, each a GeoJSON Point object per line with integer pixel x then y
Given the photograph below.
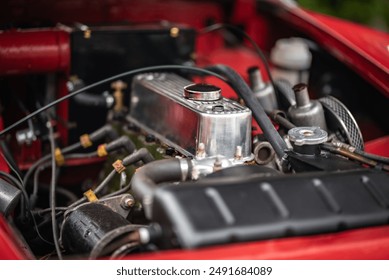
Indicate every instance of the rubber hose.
{"type": "Point", "coordinates": [244, 91]}
{"type": "Point", "coordinates": [106, 130]}
{"type": "Point", "coordinates": [89, 99]}
{"type": "Point", "coordinates": [146, 179]}
{"type": "Point", "coordinates": [141, 155]}
{"type": "Point", "coordinates": [122, 142]}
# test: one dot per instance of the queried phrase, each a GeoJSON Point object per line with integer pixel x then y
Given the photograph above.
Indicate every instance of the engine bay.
{"type": "Point", "coordinates": [162, 133]}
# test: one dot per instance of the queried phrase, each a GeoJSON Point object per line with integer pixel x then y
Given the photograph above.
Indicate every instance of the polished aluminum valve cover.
{"type": "Point", "coordinates": [195, 128]}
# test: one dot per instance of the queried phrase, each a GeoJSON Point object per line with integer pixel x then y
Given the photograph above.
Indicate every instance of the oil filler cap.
{"type": "Point", "coordinates": [202, 92]}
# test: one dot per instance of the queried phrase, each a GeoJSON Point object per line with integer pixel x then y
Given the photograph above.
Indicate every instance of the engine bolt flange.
{"type": "Point", "coordinates": [127, 202]}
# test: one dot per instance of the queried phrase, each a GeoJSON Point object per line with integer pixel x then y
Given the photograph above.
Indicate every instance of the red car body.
{"type": "Point", "coordinates": [47, 50]}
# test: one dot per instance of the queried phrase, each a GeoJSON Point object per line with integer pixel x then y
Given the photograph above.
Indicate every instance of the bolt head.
{"type": "Point", "coordinates": [127, 202]}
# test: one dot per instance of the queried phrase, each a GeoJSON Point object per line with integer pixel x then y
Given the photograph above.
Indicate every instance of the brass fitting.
{"type": "Point", "coordinates": [118, 95]}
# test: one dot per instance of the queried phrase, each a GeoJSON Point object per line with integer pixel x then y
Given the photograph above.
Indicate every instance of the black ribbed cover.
{"type": "Point", "coordinates": [217, 211]}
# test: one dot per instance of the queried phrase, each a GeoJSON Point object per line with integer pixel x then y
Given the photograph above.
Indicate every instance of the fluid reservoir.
{"type": "Point", "coordinates": [291, 60]}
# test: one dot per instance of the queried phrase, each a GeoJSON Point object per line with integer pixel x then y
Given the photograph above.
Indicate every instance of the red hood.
{"type": "Point", "coordinates": [363, 49]}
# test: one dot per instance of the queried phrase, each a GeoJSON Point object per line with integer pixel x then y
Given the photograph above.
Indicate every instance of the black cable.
{"type": "Point", "coordinates": [63, 191]}
{"type": "Point", "coordinates": [105, 182]}
{"type": "Point", "coordinates": [7, 155]}
{"type": "Point", "coordinates": [378, 158]}
{"type": "Point", "coordinates": [106, 130]}
{"type": "Point", "coordinates": [11, 179]}
{"type": "Point", "coordinates": [220, 26]}
{"type": "Point", "coordinates": [47, 210]}
{"type": "Point", "coordinates": [112, 78]}
{"type": "Point", "coordinates": [351, 155]}
{"type": "Point", "coordinates": [123, 180]}
{"type": "Point", "coordinates": [122, 142]}
{"type": "Point", "coordinates": [30, 171]}
{"type": "Point", "coordinates": [123, 190]}
{"type": "Point", "coordinates": [12, 169]}
{"type": "Point", "coordinates": [36, 227]}
{"type": "Point", "coordinates": [141, 155]}
{"type": "Point", "coordinates": [46, 164]}
{"type": "Point", "coordinates": [52, 191]}
{"type": "Point", "coordinates": [46, 158]}
{"type": "Point", "coordinates": [34, 194]}
{"type": "Point", "coordinates": [97, 190]}
{"type": "Point", "coordinates": [26, 204]}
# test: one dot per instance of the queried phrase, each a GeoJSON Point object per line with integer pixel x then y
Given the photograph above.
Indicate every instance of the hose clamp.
{"type": "Point", "coordinates": [184, 165]}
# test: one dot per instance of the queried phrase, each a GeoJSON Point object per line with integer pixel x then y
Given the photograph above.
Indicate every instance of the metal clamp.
{"type": "Point", "coordinates": [85, 141]}
{"type": "Point", "coordinates": [118, 166]}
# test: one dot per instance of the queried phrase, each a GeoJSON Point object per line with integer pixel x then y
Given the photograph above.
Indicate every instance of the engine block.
{"type": "Point", "coordinates": [213, 127]}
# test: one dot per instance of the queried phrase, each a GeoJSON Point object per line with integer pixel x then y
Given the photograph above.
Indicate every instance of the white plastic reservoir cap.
{"type": "Point", "coordinates": [291, 53]}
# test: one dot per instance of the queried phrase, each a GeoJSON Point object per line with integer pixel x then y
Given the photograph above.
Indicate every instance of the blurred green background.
{"type": "Point", "coordinates": [374, 13]}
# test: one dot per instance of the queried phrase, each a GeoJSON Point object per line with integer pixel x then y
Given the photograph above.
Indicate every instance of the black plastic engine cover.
{"type": "Point", "coordinates": [217, 211]}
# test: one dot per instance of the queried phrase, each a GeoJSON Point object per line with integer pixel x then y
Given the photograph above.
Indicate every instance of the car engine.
{"type": "Point", "coordinates": [121, 140]}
